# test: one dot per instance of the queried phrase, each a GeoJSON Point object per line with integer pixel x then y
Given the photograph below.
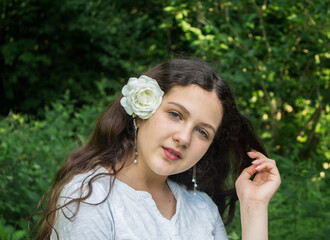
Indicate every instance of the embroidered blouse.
{"type": "Point", "coordinates": [133, 215]}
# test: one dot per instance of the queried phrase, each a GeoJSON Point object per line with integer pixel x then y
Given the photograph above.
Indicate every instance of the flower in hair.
{"type": "Point", "coordinates": [142, 96]}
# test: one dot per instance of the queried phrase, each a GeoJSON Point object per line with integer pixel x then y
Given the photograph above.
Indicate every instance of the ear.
{"type": "Point", "coordinates": [138, 122]}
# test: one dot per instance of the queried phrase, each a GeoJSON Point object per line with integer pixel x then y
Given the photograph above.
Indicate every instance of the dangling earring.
{"type": "Point", "coordinates": [194, 179]}
{"type": "Point", "coordinates": [135, 136]}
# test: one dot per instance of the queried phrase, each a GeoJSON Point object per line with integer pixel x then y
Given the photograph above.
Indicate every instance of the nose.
{"type": "Point", "coordinates": [183, 136]}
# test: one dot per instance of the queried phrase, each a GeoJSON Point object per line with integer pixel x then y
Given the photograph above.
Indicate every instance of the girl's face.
{"type": "Point", "coordinates": [179, 133]}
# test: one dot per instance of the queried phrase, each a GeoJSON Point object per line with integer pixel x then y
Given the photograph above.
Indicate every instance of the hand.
{"type": "Point", "coordinates": [264, 184]}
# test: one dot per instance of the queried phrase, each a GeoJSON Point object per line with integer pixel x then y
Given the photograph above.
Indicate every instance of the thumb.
{"type": "Point", "coordinates": [248, 172]}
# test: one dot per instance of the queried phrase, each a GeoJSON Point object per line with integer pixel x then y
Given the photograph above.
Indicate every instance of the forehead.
{"type": "Point", "coordinates": [202, 105]}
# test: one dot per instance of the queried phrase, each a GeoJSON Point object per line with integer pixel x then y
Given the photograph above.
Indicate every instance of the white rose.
{"type": "Point", "coordinates": [142, 96]}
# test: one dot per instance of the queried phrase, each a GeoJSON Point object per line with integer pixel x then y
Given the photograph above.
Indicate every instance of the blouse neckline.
{"type": "Point", "coordinates": [144, 196]}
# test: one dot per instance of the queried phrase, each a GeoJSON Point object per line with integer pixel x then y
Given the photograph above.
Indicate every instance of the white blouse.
{"type": "Point", "coordinates": [130, 214]}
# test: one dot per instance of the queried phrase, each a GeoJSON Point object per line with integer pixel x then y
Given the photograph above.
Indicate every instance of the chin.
{"type": "Point", "coordinates": [163, 172]}
{"type": "Point", "coordinates": [164, 169]}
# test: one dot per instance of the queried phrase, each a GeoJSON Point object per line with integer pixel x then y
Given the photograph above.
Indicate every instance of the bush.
{"type": "Point", "coordinates": [31, 152]}
{"type": "Point", "coordinates": [48, 47]}
{"type": "Point", "coordinates": [275, 56]}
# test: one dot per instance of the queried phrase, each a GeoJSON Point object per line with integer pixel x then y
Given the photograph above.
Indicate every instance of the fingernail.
{"type": "Point", "coordinates": [258, 167]}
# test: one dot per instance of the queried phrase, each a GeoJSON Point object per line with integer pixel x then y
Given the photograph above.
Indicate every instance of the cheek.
{"type": "Point", "coordinates": [162, 124]}
{"type": "Point", "coordinates": [154, 127]}
{"type": "Point", "coordinates": [200, 148]}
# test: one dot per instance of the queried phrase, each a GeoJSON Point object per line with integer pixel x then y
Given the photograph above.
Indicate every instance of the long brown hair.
{"type": "Point", "coordinates": [112, 141]}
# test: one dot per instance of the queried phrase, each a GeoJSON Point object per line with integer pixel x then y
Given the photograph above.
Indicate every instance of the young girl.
{"type": "Point", "coordinates": [161, 164]}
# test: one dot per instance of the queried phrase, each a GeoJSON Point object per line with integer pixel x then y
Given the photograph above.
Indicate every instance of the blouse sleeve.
{"type": "Point", "coordinates": [220, 231]}
{"type": "Point", "coordinates": [93, 220]}
{"type": "Point", "coordinates": [219, 228]}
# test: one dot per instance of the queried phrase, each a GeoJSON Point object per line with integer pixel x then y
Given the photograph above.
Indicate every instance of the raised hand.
{"type": "Point", "coordinates": [264, 184]}
{"type": "Point", "coordinates": [254, 195]}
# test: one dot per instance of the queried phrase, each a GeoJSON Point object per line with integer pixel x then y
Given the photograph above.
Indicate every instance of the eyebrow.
{"type": "Point", "coordinates": [188, 113]}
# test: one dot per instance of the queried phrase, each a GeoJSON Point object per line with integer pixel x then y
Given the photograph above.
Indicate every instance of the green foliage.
{"type": "Point", "coordinates": [274, 54]}
{"type": "Point", "coordinates": [8, 232]}
{"type": "Point", "coordinates": [302, 203]}
{"type": "Point", "coordinates": [48, 47]}
{"type": "Point", "coordinates": [31, 151]}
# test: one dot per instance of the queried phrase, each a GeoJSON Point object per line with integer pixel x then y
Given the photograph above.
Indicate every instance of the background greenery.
{"type": "Point", "coordinates": [63, 61]}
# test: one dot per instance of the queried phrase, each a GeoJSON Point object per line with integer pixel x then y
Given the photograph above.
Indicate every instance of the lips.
{"type": "Point", "coordinates": [172, 154]}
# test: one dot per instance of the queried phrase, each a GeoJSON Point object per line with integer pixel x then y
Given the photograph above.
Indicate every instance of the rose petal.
{"type": "Point", "coordinates": [141, 96]}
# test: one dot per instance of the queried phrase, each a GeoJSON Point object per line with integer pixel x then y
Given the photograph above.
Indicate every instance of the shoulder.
{"type": "Point", "coordinates": [95, 183]}
{"type": "Point", "coordinates": [196, 199]}
{"type": "Point", "coordinates": [200, 207]}
{"type": "Point", "coordinates": [90, 218]}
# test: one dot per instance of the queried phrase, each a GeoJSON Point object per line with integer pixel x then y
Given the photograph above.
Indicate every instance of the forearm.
{"type": "Point", "coordinates": [254, 219]}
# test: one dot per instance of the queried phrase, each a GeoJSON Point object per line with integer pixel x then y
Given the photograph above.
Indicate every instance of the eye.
{"type": "Point", "coordinates": [175, 115]}
{"type": "Point", "coordinates": [203, 133]}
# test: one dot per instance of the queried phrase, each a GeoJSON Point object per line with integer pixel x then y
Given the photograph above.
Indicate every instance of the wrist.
{"type": "Point", "coordinates": [254, 219]}
{"type": "Point", "coordinates": [254, 204]}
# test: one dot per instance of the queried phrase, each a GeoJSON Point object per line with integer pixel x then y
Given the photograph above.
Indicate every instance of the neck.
{"type": "Point", "coordinates": [137, 176]}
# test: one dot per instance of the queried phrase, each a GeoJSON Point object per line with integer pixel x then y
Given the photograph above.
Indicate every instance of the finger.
{"type": "Point", "coordinates": [248, 172]}
{"type": "Point", "coordinates": [265, 163]}
{"type": "Point", "coordinates": [268, 165]}
{"type": "Point", "coordinates": [259, 161]}
{"type": "Point", "coordinates": [255, 154]}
